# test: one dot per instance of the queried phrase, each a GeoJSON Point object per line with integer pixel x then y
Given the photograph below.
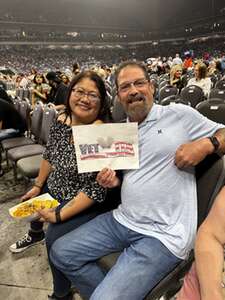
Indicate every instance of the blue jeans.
{"type": "Point", "coordinates": [144, 260]}
{"type": "Point", "coordinates": [9, 133]}
{"type": "Point", "coordinates": [61, 284]}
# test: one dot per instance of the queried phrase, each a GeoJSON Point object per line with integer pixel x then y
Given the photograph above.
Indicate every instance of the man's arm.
{"type": "Point", "coordinates": [190, 154]}
{"type": "Point", "coordinates": [209, 251]}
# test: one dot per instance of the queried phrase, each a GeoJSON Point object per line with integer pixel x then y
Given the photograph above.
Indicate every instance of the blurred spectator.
{"type": "Point", "coordinates": [176, 78]}
{"type": "Point", "coordinates": [23, 81]}
{"type": "Point", "coordinates": [65, 79]}
{"type": "Point", "coordinates": [11, 124]}
{"type": "Point", "coordinates": [188, 62]}
{"type": "Point", "coordinates": [201, 78]}
{"type": "Point", "coordinates": [76, 68]}
{"type": "Point", "coordinates": [177, 60]}
{"type": "Point", "coordinates": [58, 91]}
{"type": "Point", "coordinates": [39, 89]}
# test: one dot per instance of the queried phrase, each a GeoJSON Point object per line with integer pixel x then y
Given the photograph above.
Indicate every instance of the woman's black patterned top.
{"type": "Point", "coordinates": [64, 182]}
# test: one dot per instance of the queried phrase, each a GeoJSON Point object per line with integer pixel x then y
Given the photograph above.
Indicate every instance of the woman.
{"type": "Point", "coordinates": [176, 78]}
{"type": "Point", "coordinates": [201, 78]}
{"type": "Point", "coordinates": [77, 193]}
{"type": "Point", "coordinates": [65, 79]}
{"type": "Point", "coordinates": [39, 90]}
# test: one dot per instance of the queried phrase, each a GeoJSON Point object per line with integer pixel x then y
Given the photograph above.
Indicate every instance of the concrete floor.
{"type": "Point", "coordinates": [26, 275]}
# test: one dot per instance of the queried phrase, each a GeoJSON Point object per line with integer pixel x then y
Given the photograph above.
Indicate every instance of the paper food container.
{"type": "Point", "coordinates": [27, 210]}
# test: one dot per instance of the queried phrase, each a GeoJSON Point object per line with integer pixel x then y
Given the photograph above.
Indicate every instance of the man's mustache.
{"type": "Point", "coordinates": [135, 98]}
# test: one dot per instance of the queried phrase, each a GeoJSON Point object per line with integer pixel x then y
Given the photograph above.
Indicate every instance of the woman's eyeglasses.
{"type": "Point", "coordinates": [80, 93]}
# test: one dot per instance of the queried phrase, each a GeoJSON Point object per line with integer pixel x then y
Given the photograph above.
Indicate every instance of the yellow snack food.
{"type": "Point", "coordinates": [28, 208]}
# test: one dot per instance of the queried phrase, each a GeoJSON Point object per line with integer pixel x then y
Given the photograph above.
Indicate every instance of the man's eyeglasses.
{"type": "Point", "coordinates": [139, 83]}
{"type": "Point", "coordinates": [92, 96]}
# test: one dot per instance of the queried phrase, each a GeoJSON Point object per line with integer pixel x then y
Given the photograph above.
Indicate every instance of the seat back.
{"type": "Point", "coordinates": [210, 176]}
{"type": "Point", "coordinates": [49, 116]}
{"type": "Point", "coordinates": [16, 102]}
{"type": "Point", "coordinates": [163, 83]}
{"type": "Point", "coordinates": [216, 93]}
{"type": "Point", "coordinates": [24, 109]}
{"type": "Point", "coordinates": [192, 94]}
{"type": "Point", "coordinates": [213, 109]}
{"type": "Point", "coordinates": [215, 78]}
{"type": "Point", "coordinates": [36, 121]}
{"type": "Point", "coordinates": [220, 84]}
{"type": "Point", "coordinates": [173, 99]}
{"type": "Point", "coordinates": [166, 91]}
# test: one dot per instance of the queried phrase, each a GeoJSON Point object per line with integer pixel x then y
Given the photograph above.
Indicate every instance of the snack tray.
{"type": "Point", "coordinates": [33, 216]}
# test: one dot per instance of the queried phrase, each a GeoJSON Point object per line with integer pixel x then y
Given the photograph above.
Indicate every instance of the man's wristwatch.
{"type": "Point", "coordinates": [215, 142]}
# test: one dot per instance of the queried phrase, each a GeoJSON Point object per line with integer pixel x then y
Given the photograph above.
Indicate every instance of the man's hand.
{"type": "Point", "coordinates": [107, 178]}
{"type": "Point", "coordinates": [48, 215]}
{"type": "Point", "coordinates": [192, 153]}
{"type": "Point", "coordinates": [35, 191]}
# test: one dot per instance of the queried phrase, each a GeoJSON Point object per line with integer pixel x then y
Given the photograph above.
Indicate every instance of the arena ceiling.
{"type": "Point", "coordinates": [128, 15]}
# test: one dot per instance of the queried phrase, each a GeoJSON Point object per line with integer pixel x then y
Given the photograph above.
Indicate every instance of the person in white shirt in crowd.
{"type": "Point", "coordinates": [201, 78]}
{"type": "Point", "coordinates": [177, 60]}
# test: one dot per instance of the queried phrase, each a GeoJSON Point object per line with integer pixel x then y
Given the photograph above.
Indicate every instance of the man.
{"type": "Point", "coordinates": [209, 256]}
{"type": "Point", "coordinates": [177, 60]}
{"type": "Point", "coordinates": [11, 124]}
{"type": "Point", "coordinates": [58, 91]}
{"type": "Point", "coordinates": [154, 227]}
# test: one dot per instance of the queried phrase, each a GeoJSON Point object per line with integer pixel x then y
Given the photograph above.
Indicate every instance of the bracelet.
{"type": "Point", "coordinates": [38, 184]}
{"type": "Point", "coordinates": [57, 216]}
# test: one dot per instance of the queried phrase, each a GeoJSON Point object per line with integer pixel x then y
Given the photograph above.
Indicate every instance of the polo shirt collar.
{"type": "Point", "coordinates": [153, 115]}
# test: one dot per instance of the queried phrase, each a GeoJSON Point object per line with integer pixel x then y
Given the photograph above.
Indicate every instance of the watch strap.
{"type": "Point", "coordinates": [215, 142]}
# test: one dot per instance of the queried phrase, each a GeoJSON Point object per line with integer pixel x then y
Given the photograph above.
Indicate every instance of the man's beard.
{"type": "Point", "coordinates": [139, 110]}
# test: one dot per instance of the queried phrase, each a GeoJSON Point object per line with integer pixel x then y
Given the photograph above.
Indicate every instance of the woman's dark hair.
{"type": "Point", "coordinates": [104, 112]}
{"type": "Point", "coordinates": [39, 75]}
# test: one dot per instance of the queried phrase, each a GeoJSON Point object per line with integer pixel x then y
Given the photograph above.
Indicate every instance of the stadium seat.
{"type": "Point", "coordinates": [220, 84]}
{"type": "Point", "coordinates": [162, 84]}
{"type": "Point", "coordinates": [173, 99]}
{"type": "Point", "coordinates": [33, 134]}
{"type": "Point", "coordinates": [29, 166]}
{"type": "Point", "coordinates": [216, 93]}
{"type": "Point", "coordinates": [15, 154]}
{"type": "Point", "coordinates": [192, 94]}
{"type": "Point", "coordinates": [166, 91]}
{"type": "Point", "coordinates": [213, 109]}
